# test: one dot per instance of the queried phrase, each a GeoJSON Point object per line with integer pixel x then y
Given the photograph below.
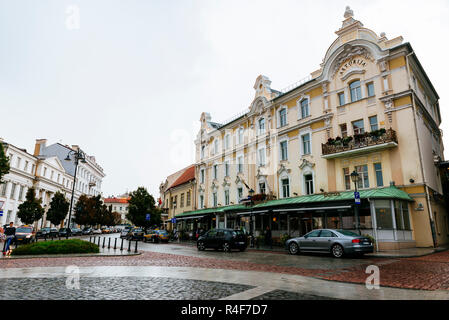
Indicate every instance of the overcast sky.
{"type": "Point", "coordinates": [129, 82]}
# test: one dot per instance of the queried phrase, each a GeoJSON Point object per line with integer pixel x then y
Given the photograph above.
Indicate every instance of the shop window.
{"type": "Point", "coordinates": [383, 214]}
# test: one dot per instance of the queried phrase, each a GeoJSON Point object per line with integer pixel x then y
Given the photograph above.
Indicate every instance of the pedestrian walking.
{"type": "Point", "coordinates": [10, 233]}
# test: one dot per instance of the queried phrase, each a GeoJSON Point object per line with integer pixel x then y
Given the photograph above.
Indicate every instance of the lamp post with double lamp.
{"type": "Point", "coordinates": [355, 178]}
{"type": "Point", "coordinates": [78, 156]}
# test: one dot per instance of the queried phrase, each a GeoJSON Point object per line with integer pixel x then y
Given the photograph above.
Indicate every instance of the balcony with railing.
{"type": "Point", "coordinates": [359, 143]}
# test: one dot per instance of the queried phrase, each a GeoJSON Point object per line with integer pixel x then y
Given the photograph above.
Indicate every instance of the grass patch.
{"type": "Point", "coordinates": [56, 247]}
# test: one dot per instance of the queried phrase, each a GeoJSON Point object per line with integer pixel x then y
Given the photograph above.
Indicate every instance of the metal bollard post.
{"type": "Point", "coordinates": [115, 243]}
{"type": "Point", "coordinates": [90, 238]}
{"type": "Point", "coordinates": [98, 241]}
{"type": "Point", "coordinates": [135, 250]}
{"type": "Point", "coordinates": [121, 246]}
{"type": "Point", "coordinates": [104, 239]}
{"type": "Point", "coordinates": [109, 243]}
{"type": "Point", "coordinates": [129, 245]}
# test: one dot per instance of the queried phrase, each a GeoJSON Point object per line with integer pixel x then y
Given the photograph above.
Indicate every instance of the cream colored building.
{"type": "Point", "coordinates": [178, 194]}
{"type": "Point", "coordinates": [369, 108]}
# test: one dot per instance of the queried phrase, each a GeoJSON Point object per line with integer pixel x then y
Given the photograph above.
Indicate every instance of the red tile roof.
{"type": "Point", "coordinates": [186, 176]}
{"type": "Point", "coordinates": [116, 200]}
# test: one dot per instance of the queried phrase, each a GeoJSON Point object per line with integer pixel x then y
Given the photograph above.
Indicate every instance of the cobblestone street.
{"type": "Point", "coordinates": [429, 272]}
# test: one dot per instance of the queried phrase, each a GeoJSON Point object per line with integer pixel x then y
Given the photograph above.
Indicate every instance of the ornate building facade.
{"type": "Point", "coordinates": [371, 110]}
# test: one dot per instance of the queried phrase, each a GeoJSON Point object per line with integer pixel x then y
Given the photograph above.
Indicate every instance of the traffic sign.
{"type": "Point", "coordinates": [173, 220]}
{"type": "Point", "coordinates": [357, 197]}
{"type": "Point", "coordinates": [147, 217]}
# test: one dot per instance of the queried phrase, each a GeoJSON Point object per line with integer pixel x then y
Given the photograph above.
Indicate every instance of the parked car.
{"type": "Point", "coordinates": [226, 239]}
{"type": "Point", "coordinates": [96, 231]}
{"type": "Point", "coordinates": [77, 232]}
{"type": "Point", "coordinates": [125, 231]}
{"type": "Point", "coordinates": [106, 230]}
{"type": "Point", "coordinates": [25, 234]}
{"type": "Point", "coordinates": [156, 236]}
{"type": "Point", "coordinates": [88, 231]}
{"type": "Point", "coordinates": [135, 234]}
{"type": "Point", "coordinates": [335, 241]}
{"type": "Point", "coordinates": [47, 233]}
{"type": "Point", "coordinates": [64, 232]}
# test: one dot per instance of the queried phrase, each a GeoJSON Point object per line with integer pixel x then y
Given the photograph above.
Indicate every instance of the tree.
{"type": "Point", "coordinates": [30, 210]}
{"type": "Point", "coordinates": [59, 207]}
{"type": "Point", "coordinates": [4, 162]}
{"type": "Point", "coordinates": [142, 203]}
{"type": "Point", "coordinates": [83, 213]}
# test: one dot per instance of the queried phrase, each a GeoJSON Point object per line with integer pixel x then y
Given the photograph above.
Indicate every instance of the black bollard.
{"type": "Point", "coordinates": [90, 238]}
{"type": "Point", "coordinates": [121, 247]}
{"type": "Point", "coordinates": [115, 243]}
{"type": "Point", "coordinates": [129, 245]}
{"type": "Point", "coordinates": [135, 250]}
{"type": "Point", "coordinates": [109, 243]}
{"type": "Point", "coordinates": [104, 239]}
{"type": "Point", "coordinates": [98, 241]}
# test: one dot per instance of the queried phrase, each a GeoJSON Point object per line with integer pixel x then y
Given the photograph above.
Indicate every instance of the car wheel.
{"type": "Point", "coordinates": [201, 246]}
{"type": "Point", "coordinates": [337, 251]}
{"type": "Point", "coordinates": [293, 248]}
{"type": "Point", "coordinates": [226, 247]}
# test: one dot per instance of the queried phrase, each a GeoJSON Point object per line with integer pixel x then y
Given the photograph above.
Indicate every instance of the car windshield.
{"type": "Point", "coordinates": [63, 229]}
{"type": "Point", "coordinates": [45, 229]}
{"type": "Point", "coordinates": [348, 233]}
{"type": "Point", "coordinates": [25, 230]}
{"type": "Point", "coordinates": [163, 232]}
{"type": "Point", "coordinates": [239, 232]}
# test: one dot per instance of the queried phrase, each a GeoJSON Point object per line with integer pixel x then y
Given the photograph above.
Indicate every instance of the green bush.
{"type": "Point", "coordinates": [284, 238]}
{"type": "Point", "coordinates": [56, 247]}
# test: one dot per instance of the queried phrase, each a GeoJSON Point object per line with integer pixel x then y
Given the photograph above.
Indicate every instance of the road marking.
{"type": "Point", "coordinates": [249, 294]}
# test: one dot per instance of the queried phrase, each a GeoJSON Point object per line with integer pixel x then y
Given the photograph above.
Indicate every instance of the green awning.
{"type": "Point", "coordinates": [378, 193]}
{"type": "Point", "coordinates": [236, 207]}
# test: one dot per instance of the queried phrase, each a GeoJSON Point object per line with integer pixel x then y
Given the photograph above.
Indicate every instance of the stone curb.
{"type": "Point", "coordinates": [70, 256]}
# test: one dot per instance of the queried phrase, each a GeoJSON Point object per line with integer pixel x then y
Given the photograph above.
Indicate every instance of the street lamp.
{"type": "Point", "coordinates": [77, 155]}
{"type": "Point", "coordinates": [355, 178]}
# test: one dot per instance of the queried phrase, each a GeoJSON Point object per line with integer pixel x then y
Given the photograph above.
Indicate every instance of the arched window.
{"type": "Point", "coordinates": [356, 91]}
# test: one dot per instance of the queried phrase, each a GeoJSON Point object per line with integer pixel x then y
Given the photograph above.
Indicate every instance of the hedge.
{"type": "Point", "coordinates": [56, 247]}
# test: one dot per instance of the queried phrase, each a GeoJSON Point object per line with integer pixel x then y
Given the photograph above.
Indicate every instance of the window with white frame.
{"type": "Point", "coordinates": [226, 194]}
{"type": "Point", "coordinates": [261, 156]}
{"type": "Point", "coordinates": [262, 187]}
{"type": "Point", "coordinates": [239, 193]}
{"type": "Point", "coordinates": [227, 141]}
{"type": "Point", "coordinates": [262, 126]}
{"type": "Point", "coordinates": [285, 185]}
{"type": "Point", "coordinates": [373, 123]}
{"type": "Point", "coordinates": [284, 150]}
{"type": "Point", "coordinates": [283, 117]}
{"type": "Point", "coordinates": [356, 91]}
{"type": "Point", "coordinates": [214, 197]}
{"type": "Point", "coordinates": [308, 182]}
{"type": "Point", "coordinates": [240, 164]}
{"type": "Point", "coordinates": [216, 145]}
{"type": "Point", "coordinates": [305, 140]}
{"type": "Point", "coordinates": [226, 168]}
{"type": "Point", "coordinates": [341, 99]}
{"type": "Point", "coordinates": [202, 175]}
{"type": "Point", "coordinates": [363, 181]}
{"type": "Point", "coordinates": [304, 108]}
{"type": "Point", "coordinates": [215, 171]}
{"type": "Point", "coordinates": [240, 135]}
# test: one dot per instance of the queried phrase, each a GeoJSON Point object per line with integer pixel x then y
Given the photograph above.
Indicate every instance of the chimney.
{"type": "Point", "coordinates": [40, 145]}
{"type": "Point", "coordinates": [75, 147]}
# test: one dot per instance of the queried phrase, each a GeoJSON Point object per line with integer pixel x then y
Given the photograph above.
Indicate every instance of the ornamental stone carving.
{"type": "Point", "coordinates": [349, 52]}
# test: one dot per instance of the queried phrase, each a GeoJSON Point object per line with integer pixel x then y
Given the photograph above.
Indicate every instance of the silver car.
{"type": "Point", "coordinates": [337, 242]}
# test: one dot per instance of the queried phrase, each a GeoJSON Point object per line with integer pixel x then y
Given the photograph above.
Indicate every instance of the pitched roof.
{"type": "Point", "coordinates": [186, 176]}
{"type": "Point", "coordinates": [116, 200]}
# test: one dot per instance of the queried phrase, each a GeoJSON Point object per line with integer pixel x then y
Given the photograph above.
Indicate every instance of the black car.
{"type": "Point", "coordinates": [25, 234]}
{"type": "Point", "coordinates": [64, 232]}
{"type": "Point", "coordinates": [47, 233]}
{"type": "Point", "coordinates": [226, 239]}
{"type": "Point", "coordinates": [76, 232]}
